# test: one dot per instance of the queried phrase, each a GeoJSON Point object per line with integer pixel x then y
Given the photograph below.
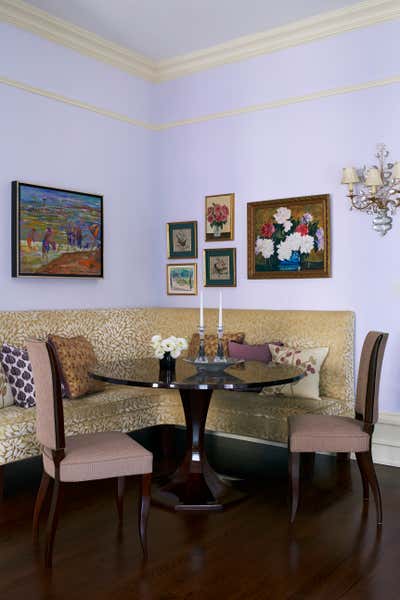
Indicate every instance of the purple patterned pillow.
{"type": "Point", "coordinates": [258, 352]}
{"type": "Point", "coordinates": [18, 370]}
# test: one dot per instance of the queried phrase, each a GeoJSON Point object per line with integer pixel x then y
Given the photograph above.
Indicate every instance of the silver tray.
{"type": "Point", "coordinates": [214, 367]}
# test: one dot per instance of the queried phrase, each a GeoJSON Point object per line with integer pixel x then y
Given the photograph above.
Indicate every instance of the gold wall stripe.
{"type": "Point", "coordinates": [210, 117]}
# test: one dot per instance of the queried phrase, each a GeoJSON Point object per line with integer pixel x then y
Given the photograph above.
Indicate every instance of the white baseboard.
{"type": "Point", "coordinates": [386, 440]}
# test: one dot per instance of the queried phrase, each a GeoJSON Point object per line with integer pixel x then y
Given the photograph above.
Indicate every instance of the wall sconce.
{"type": "Point", "coordinates": [375, 190]}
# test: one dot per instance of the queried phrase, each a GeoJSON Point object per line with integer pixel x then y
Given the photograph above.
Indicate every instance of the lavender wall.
{"type": "Point", "coordinates": [149, 178]}
{"type": "Point", "coordinates": [292, 151]}
{"type": "Point", "coordinates": [52, 143]}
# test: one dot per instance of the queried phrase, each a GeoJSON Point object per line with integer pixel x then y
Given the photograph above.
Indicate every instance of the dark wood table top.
{"type": "Point", "coordinates": [246, 376]}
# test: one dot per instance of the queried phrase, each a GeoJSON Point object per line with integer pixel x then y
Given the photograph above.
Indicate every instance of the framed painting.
{"type": "Point", "coordinates": [220, 217]}
{"type": "Point", "coordinates": [182, 280]}
{"type": "Point", "coordinates": [182, 239]}
{"type": "Point", "coordinates": [56, 232]}
{"type": "Point", "coordinates": [288, 238]}
{"type": "Point", "coordinates": [220, 267]}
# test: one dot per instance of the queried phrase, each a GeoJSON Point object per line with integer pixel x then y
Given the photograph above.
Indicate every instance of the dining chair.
{"type": "Point", "coordinates": [84, 457]}
{"type": "Point", "coordinates": [325, 433]}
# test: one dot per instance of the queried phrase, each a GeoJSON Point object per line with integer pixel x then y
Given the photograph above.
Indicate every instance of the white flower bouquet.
{"type": "Point", "coordinates": [170, 345]}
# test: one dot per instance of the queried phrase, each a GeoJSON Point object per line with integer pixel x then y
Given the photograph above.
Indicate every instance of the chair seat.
{"type": "Point", "coordinates": [100, 456]}
{"type": "Point", "coordinates": [323, 433]}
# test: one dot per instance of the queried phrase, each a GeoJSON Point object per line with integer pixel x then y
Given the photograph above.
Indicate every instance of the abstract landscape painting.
{"type": "Point", "coordinates": [56, 233]}
{"type": "Point", "coordinates": [289, 238]}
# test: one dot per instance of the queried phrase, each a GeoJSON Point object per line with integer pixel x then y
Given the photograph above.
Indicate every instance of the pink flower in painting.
{"type": "Point", "coordinates": [217, 214]}
{"type": "Point", "coordinates": [302, 229]}
{"type": "Point", "coordinates": [267, 230]}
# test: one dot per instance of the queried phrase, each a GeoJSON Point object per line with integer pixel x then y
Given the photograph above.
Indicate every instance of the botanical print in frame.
{"type": "Point", "coordinates": [289, 238]}
{"type": "Point", "coordinates": [220, 267]}
{"type": "Point", "coordinates": [220, 217]}
{"type": "Point", "coordinates": [56, 232]}
{"type": "Point", "coordinates": [182, 239]}
{"type": "Point", "coordinates": [182, 280]}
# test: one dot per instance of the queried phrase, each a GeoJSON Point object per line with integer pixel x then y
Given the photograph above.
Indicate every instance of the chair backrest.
{"type": "Point", "coordinates": [49, 408]}
{"type": "Point", "coordinates": [369, 375]}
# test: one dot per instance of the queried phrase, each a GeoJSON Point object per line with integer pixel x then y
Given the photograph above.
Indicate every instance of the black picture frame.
{"type": "Point", "coordinates": [86, 239]}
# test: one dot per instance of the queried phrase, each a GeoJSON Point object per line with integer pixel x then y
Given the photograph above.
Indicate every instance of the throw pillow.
{"type": "Point", "coordinates": [309, 359]}
{"type": "Point", "coordinates": [257, 352]}
{"type": "Point", "coordinates": [18, 370]}
{"type": "Point", "coordinates": [75, 357]}
{"type": "Point", "coordinates": [211, 343]}
{"type": "Point", "coordinates": [6, 395]}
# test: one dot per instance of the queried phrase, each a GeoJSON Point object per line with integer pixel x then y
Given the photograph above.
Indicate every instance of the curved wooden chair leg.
{"type": "Point", "coordinates": [120, 497]}
{"type": "Point", "coordinates": [294, 480]}
{"type": "Point", "coordinates": [369, 469]}
{"type": "Point", "coordinates": [40, 498]}
{"type": "Point", "coordinates": [364, 476]}
{"type": "Point", "coordinates": [52, 523]}
{"type": "Point", "coordinates": [144, 508]}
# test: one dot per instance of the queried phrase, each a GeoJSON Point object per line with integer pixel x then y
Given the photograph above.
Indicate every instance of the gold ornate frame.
{"type": "Point", "coordinates": [323, 200]}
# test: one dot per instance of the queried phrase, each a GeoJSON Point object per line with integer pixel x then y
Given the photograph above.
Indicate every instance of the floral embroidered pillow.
{"type": "Point", "coordinates": [6, 396]}
{"type": "Point", "coordinates": [310, 360]}
{"type": "Point", "coordinates": [18, 370]}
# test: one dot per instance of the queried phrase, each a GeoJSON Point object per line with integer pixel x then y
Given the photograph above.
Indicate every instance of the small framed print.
{"type": "Point", "coordinates": [182, 280]}
{"type": "Point", "coordinates": [220, 267]}
{"type": "Point", "coordinates": [220, 217]}
{"type": "Point", "coordinates": [182, 239]}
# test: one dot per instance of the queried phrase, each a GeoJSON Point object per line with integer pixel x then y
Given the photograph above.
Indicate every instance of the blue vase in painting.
{"type": "Point", "coordinates": [292, 264]}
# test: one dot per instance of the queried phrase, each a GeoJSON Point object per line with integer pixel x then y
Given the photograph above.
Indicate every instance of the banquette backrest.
{"type": "Point", "coordinates": [125, 333]}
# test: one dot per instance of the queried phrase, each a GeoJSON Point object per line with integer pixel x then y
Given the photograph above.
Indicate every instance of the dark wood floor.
{"type": "Point", "coordinates": [249, 552]}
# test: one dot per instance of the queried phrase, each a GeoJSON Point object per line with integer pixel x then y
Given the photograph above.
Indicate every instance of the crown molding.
{"type": "Point", "coordinates": [340, 91]}
{"type": "Point", "coordinates": [62, 32]}
{"type": "Point", "coordinates": [362, 14]}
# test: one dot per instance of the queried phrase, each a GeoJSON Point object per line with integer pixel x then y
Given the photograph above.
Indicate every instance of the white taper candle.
{"type": "Point", "coordinates": [220, 310]}
{"type": "Point", "coordinates": [201, 310]}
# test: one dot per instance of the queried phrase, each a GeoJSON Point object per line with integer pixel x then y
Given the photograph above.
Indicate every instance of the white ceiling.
{"type": "Point", "coordinates": [162, 29]}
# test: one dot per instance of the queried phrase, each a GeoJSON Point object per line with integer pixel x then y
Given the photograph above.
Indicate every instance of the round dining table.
{"type": "Point", "coordinates": [195, 485]}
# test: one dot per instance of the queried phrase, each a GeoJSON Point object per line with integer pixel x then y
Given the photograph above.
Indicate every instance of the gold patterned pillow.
{"type": "Point", "coordinates": [309, 360]}
{"type": "Point", "coordinates": [211, 343]}
{"type": "Point", "coordinates": [75, 357]}
{"type": "Point", "coordinates": [6, 396]}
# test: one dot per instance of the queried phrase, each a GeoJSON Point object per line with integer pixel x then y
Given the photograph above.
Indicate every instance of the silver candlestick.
{"type": "Point", "coordinates": [201, 356]}
{"type": "Point", "coordinates": [220, 356]}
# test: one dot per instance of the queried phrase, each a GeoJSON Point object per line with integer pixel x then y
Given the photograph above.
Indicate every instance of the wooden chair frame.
{"type": "Point", "coordinates": [58, 455]}
{"type": "Point", "coordinates": [364, 459]}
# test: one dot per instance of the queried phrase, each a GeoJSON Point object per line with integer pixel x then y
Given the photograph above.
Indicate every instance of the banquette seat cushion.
{"type": "Point", "coordinates": [123, 334]}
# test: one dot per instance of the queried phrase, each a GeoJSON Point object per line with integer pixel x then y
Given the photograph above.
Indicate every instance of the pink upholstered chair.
{"type": "Point", "coordinates": [80, 457]}
{"type": "Point", "coordinates": [320, 433]}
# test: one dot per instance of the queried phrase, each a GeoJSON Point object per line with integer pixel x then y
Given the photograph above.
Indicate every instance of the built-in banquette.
{"type": "Point", "coordinates": [120, 334]}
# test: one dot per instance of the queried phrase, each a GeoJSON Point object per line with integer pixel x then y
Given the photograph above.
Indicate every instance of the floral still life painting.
{"type": "Point", "coordinates": [289, 238]}
{"type": "Point", "coordinates": [220, 217]}
{"type": "Point", "coordinates": [55, 232]}
{"type": "Point", "coordinates": [182, 279]}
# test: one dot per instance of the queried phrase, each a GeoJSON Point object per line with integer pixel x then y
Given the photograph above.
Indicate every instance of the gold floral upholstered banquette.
{"type": "Point", "coordinates": [126, 333]}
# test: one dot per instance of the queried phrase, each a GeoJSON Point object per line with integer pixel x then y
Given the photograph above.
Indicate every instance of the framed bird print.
{"type": "Point", "coordinates": [182, 239]}
{"type": "Point", "coordinates": [220, 267]}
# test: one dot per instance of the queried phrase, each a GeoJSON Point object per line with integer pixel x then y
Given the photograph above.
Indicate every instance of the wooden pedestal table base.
{"type": "Point", "coordinates": [195, 485]}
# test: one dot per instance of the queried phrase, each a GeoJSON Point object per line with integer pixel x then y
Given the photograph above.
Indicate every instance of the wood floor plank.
{"type": "Point", "coordinates": [249, 552]}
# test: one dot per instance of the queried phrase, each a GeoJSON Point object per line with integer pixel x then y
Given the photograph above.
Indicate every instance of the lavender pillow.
{"type": "Point", "coordinates": [259, 352]}
{"type": "Point", "coordinates": [18, 370]}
